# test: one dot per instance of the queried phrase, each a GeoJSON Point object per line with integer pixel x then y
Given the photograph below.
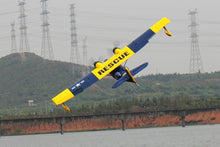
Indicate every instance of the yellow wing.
{"type": "Point", "coordinates": [121, 55]}
{"type": "Point", "coordinates": [124, 54]}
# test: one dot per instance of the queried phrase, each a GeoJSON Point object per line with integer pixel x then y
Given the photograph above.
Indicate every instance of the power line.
{"type": "Point", "coordinates": [15, 12]}
{"type": "Point", "coordinates": [8, 13]}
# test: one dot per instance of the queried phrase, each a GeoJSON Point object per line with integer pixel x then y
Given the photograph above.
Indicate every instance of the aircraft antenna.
{"type": "Point", "coordinates": [46, 46]}
{"type": "Point", "coordinates": [74, 52]}
{"type": "Point", "coordinates": [13, 38]}
{"type": "Point", "coordinates": [195, 58]}
{"type": "Point", "coordinates": [24, 46]}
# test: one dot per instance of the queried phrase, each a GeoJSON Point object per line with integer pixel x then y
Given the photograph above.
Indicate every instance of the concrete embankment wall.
{"type": "Point", "coordinates": [210, 117]}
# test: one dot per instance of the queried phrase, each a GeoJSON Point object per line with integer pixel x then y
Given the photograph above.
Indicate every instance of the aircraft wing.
{"type": "Point", "coordinates": [128, 51]}
{"type": "Point", "coordinates": [112, 63]}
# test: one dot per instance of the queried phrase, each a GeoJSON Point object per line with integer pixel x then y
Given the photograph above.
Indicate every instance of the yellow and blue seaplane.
{"type": "Point", "coordinates": [113, 65]}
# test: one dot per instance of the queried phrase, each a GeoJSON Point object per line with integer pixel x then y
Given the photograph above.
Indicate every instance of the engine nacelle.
{"type": "Point", "coordinates": [118, 72]}
{"type": "Point", "coordinates": [116, 50]}
{"type": "Point", "coordinates": [98, 64]}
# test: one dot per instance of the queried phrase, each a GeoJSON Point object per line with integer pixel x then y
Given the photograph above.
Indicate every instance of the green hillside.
{"type": "Point", "coordinates": [31, 77]}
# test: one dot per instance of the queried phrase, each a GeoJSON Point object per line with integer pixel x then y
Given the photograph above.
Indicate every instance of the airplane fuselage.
{"type": "Point", "coordinates": [113, 65]}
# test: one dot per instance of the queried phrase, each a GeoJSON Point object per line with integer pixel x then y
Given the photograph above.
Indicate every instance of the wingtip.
{"type": "Point", "coordinates": [63, 97]}
{"type": "Point", "coordinates": [160, 24]}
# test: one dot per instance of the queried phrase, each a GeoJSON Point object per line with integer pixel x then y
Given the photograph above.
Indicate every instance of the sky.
{"type": "Point", "coordinates": [107, 23]}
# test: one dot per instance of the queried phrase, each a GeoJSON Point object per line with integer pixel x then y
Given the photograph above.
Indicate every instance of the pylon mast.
{"type": "Point", "coordinates": [46, 46]}
{"type": "Point", "coordinates": [24, 46]}
{"type": "Point", "coordinates": [74, 52]}
{"type": "Point", "coordinates": [13, 39]}
{"type": "Point", "coordinates": [195, 58]}
{"type": "Point", "coordinates": [84, 51]}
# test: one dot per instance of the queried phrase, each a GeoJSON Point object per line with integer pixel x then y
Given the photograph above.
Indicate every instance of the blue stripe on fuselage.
{"type": "Point", "coordinates": [84, 83]}
{"type": "Point", "coordinates": [141, 41]}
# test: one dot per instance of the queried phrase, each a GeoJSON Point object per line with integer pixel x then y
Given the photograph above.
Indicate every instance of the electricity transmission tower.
{"type": "Point", "coordinates": [84, 51]}
{"type": "Point", "coordinates": [13, 39]}
{"type": "Point", "coordinates": [74, 52]}
{"type": "Point", "coordinates": [195, 58]}
{"type": "Point", "coordinates": [24, 46]}
{"type": "Point", "coordinates": [84, 46]}
{"type": "Point", "coordinates": [46, 46]}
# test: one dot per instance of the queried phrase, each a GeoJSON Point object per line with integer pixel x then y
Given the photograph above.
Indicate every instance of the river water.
{"type": "Point", "coordinates": [190, 136]}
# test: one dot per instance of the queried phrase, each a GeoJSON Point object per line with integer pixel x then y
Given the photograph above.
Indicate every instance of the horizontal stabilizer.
{"type": "Point", "coordinates": [126, 77]}
{"type": "Point", "coordinates": [138, 69]}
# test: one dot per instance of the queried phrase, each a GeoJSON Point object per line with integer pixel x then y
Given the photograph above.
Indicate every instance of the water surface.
{"type": "Point", "coordinates": [190, 136]}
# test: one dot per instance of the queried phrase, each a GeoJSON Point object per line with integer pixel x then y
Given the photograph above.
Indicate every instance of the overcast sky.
{"type": "Point", "coordinates": [105, 22]}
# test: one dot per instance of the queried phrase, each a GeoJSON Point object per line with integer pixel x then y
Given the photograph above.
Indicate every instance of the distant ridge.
{"type": "Point", "coordinates": [28, 76]}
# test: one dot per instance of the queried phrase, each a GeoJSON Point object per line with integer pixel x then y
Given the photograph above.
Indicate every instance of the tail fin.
{"type": "Point", "coordinates": [130, 75]}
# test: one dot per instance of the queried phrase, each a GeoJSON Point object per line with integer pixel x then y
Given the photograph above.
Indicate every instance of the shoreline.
{"type": "Point", "coordinates": [148, 127]}
{"type": "Point", "coordinates": [99, 124]}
